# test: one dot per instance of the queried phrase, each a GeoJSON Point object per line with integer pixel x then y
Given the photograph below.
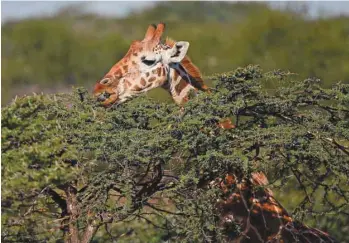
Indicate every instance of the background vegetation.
{"type": "Point", "coordinates": [73, 48]}
{"type": "Point", "coordinates": [52, 142]}
{"type": "Point", "coordinates": [63, 150]}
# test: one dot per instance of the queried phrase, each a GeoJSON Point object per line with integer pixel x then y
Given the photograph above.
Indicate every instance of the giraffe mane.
{"type": "Point", "coordinates": [189, 66]}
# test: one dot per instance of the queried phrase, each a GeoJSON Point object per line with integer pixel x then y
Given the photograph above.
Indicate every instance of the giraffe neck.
{"type": "Point", "coordinates": [181, 83]}
{"type": "Point", "coordinates": [260, 216]}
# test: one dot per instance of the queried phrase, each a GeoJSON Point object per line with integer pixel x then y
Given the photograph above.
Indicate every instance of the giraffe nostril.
{"type": "Point", "coordinates": [105, 81]}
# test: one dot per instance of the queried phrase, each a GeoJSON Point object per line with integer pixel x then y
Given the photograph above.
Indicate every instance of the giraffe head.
{"type": "Point", "coordinates": [145, 66]}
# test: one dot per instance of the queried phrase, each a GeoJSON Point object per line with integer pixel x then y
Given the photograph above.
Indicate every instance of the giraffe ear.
{"type": "Point", "coordinates": [178, 51]}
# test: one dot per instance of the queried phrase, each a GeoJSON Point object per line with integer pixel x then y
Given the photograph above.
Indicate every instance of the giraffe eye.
{"type": "Point", "coordinates": [147, 62]}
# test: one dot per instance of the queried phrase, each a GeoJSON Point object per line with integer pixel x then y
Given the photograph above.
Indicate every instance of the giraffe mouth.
{"type": "Point", "coordinates": [106, 99]}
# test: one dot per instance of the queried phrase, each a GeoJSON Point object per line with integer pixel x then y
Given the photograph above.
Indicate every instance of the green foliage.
{"type": "Point", "coordinates": [73, 48]}
{"type": "Point", "coordinates": [46, 54]}
{"type": "Point", "coordinates": [298, 131]}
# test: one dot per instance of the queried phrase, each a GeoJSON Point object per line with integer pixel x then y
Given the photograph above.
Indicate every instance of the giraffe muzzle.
{"type": "Point", "coordinates": [103, 97]}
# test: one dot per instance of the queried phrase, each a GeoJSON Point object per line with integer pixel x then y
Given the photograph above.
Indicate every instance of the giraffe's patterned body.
{"type": "Point", "coordinates": [149, 64]}
{"type": "Point", "coordinates": [260, 216]}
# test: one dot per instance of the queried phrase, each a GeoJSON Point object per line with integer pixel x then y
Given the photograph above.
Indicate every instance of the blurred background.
{"type": "Point", "coordinates": [51, 46]}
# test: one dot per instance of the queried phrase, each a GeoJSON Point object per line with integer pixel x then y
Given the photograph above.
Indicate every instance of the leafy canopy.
{"type": "Point", "coordinates": [115, 158]}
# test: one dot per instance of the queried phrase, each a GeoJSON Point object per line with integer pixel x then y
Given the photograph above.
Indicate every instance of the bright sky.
{"type": "Point", "coordinates": [23, 9]}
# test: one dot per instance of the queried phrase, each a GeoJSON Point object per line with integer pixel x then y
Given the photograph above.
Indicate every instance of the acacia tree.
{"type": "Point", "coordinates": [73, 171]}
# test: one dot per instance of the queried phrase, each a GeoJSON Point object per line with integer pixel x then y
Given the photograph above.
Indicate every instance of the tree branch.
{"type": "Point", "coordinates": [72, 211]}
{"type": "Point", "coordinates": [90, 231]}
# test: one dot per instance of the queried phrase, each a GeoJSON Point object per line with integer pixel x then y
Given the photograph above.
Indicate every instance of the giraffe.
{"type": "Point", "coordinates": [149, 64]}
{"type": "Point", "coordinates": [251, 205]}
{"type": "Point", "coordinates": [247, 202]}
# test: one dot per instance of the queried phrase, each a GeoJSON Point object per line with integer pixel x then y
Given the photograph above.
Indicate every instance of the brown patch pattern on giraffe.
{"type": "Point", "coordinates": [152, 79]}
{"type": "Point", "coordinates": [137, 88]}
{"type": "Point", "coordinates": [118, 73]}
{"type": "Point", "coordinates": [159, 71]}
{"type": "Point", "coordinates": [180, 86]}
{"type": "Point", "coordinates": [175, 75]}
{"type": "Point", "coordinates": [147, 86]}
{"type": "Point", "coordinates": [143, 83]}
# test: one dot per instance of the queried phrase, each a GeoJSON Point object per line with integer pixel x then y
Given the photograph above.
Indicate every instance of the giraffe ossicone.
{"type": "Point", "coordinates": [149, 64]}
